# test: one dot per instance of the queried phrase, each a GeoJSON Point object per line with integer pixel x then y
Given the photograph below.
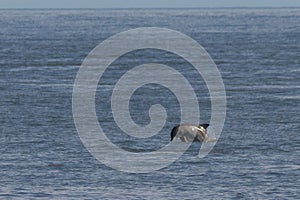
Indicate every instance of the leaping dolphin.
{"type": "Point", "coordinates": [191, 133]}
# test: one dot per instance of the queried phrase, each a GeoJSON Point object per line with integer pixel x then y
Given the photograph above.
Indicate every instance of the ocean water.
{"type": "Point", "coordinates": [256, 156]}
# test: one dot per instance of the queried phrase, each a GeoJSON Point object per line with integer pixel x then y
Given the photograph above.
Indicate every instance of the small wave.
{"type": "Point", "coordinates": [295, 70]}
{"type": "Point", "coordinates": [297, 97]}
{"type": "Point", "coordinates": [281, 167]}
{"type": "Point", "coordinates": [57, 85]}
{"type": "Point", "coordinates": [41, 68]}
{"type": "Point", "coordinates": [137, 150]}
{"type": "Point", "coordinates": [257, 87]}
{"type": "Point", "coordinates": [55, 164]}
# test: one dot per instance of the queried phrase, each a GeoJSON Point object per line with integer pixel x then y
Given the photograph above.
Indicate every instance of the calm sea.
{"type": "Point", "coordinates": [257, 156]}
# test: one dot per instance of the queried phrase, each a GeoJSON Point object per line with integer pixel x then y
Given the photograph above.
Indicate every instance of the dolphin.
{"type": "Point", "coordinates": [191, 133]}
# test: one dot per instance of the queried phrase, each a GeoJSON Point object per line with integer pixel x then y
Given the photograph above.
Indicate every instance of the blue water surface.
{"type": "Point", "coordinates": [256, 157]}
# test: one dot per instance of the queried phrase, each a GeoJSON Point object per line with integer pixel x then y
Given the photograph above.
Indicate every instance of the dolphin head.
{"type": "Point", "coordinates": [203, 126]}
{"type": "Point", "coordinates": [206, 136]}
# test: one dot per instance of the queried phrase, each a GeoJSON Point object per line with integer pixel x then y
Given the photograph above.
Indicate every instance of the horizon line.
{"type": "Point", "coordinates": [128, 8]}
